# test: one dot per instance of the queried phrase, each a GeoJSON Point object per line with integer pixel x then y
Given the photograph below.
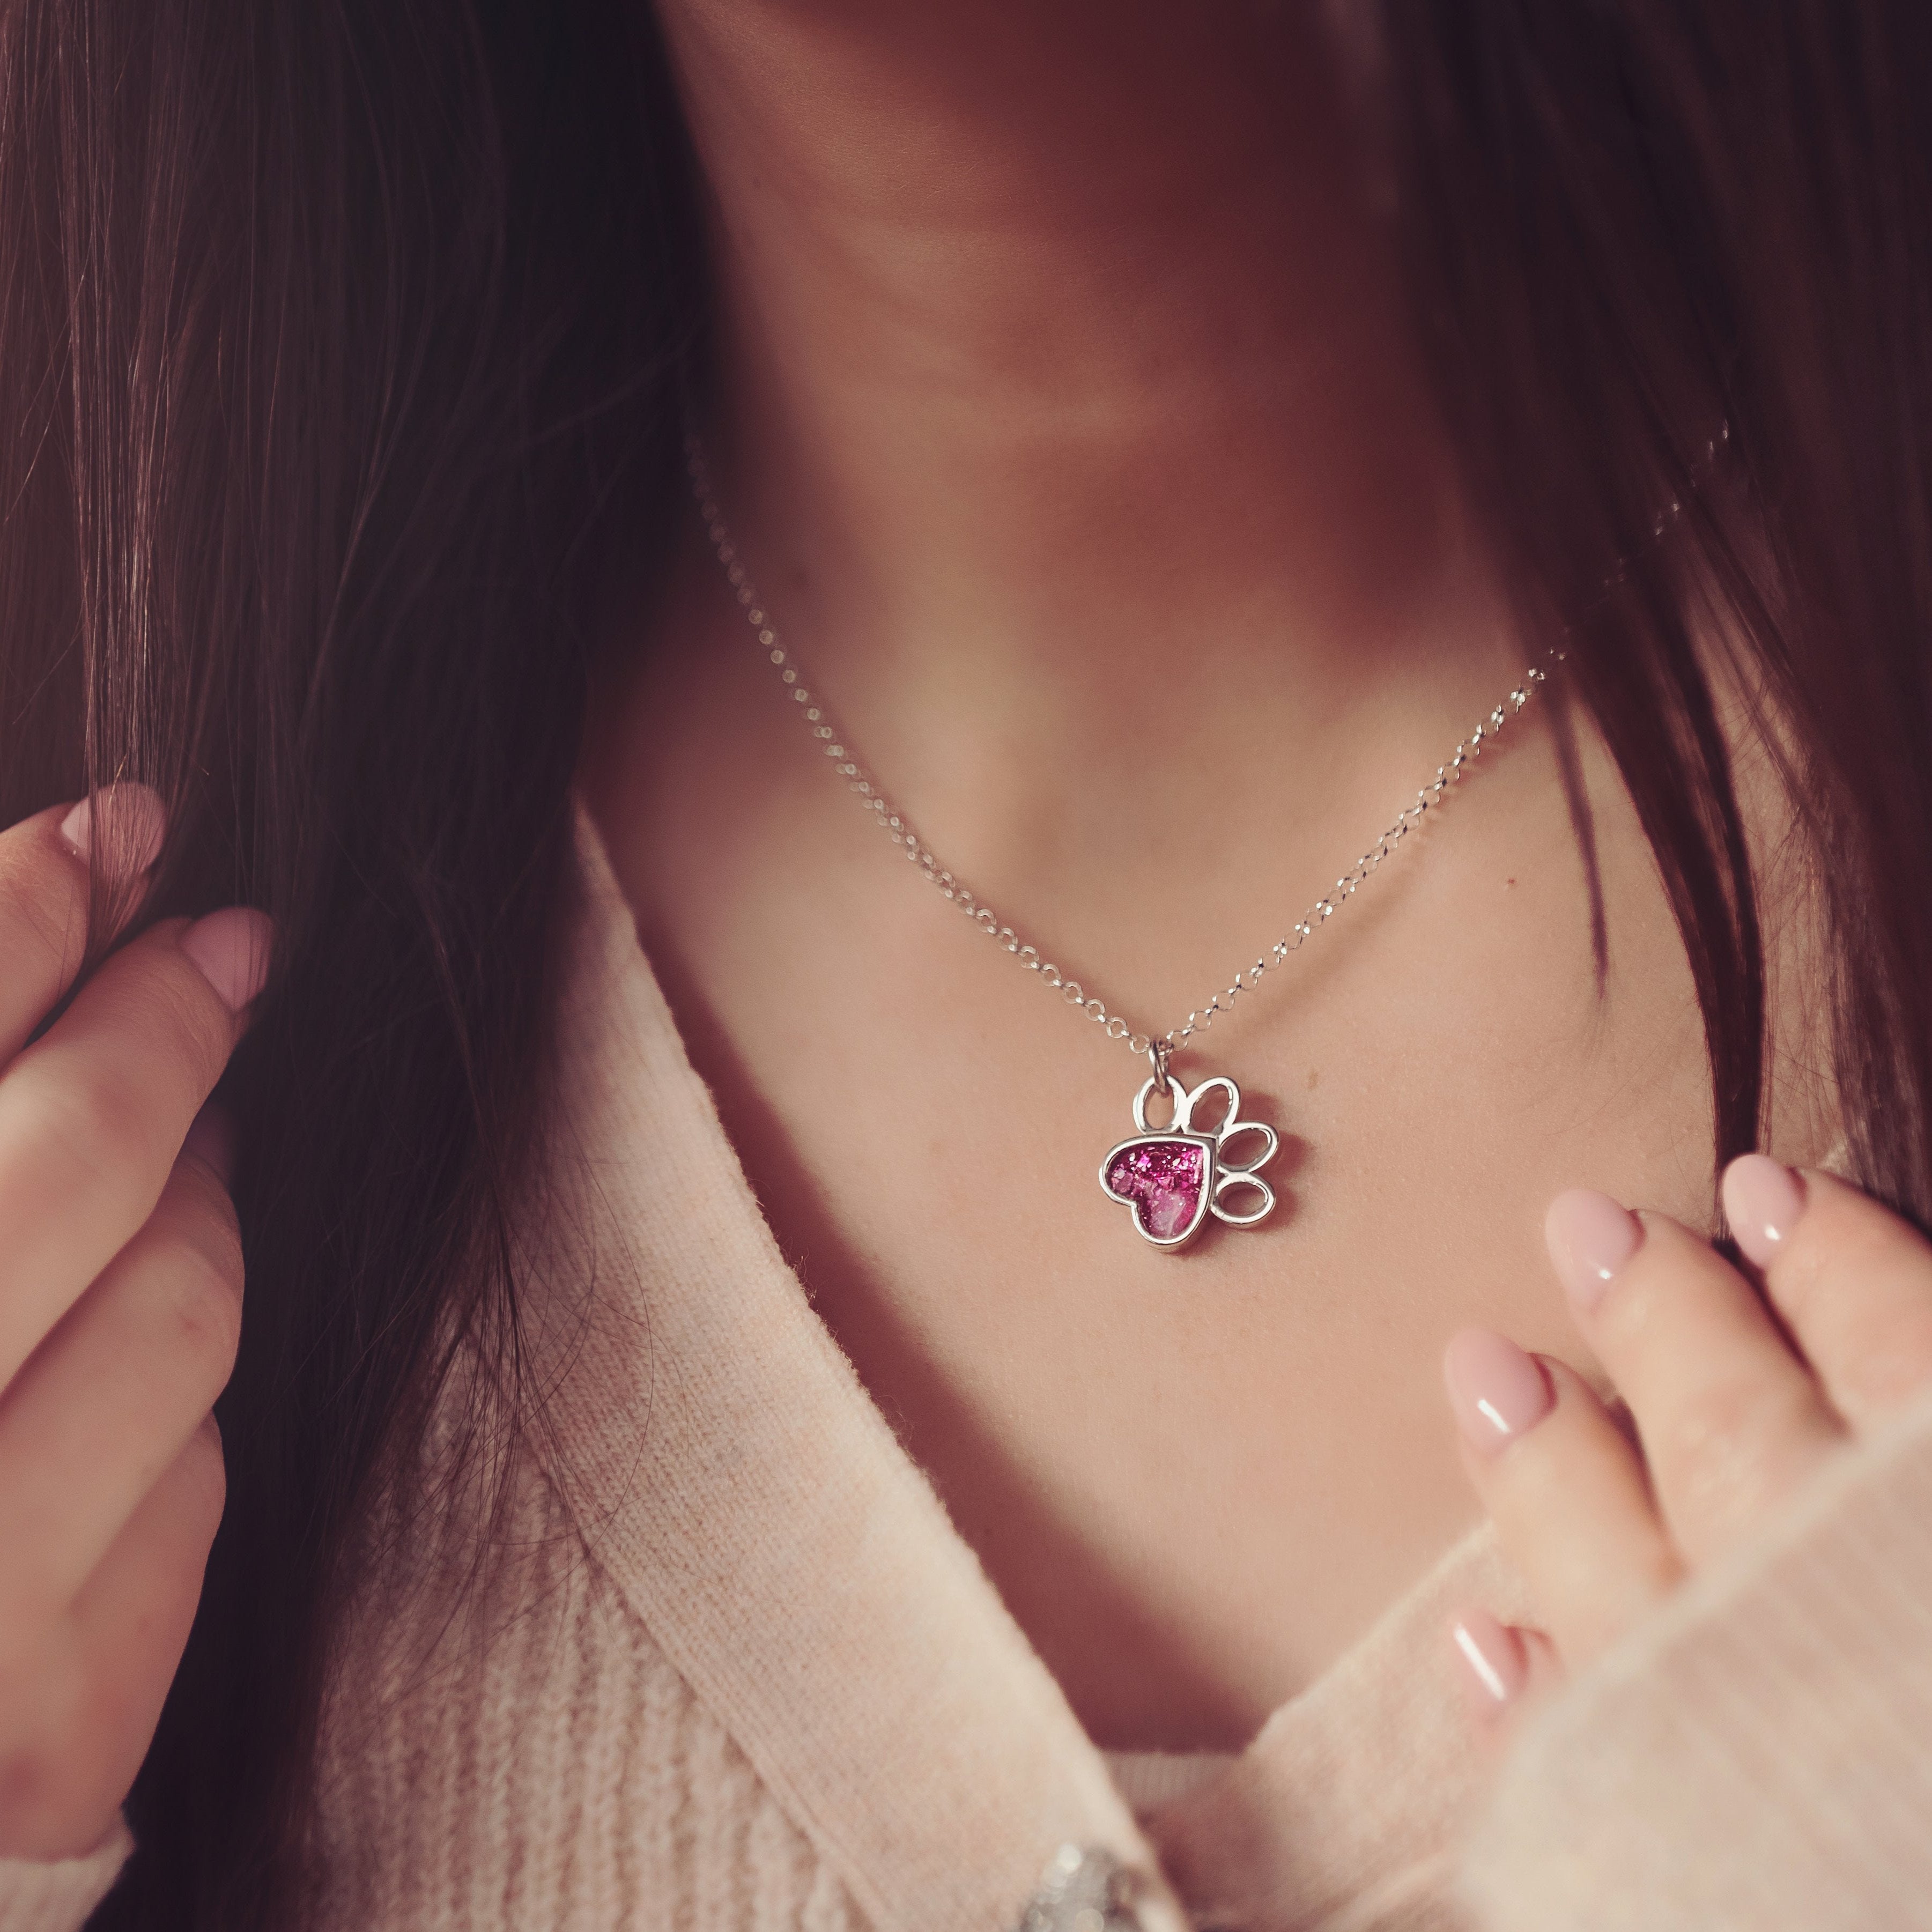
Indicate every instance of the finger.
{"type": "Point", "coordinates": [1507, 1670]}
{"type": "Point", "coordinates": [109, 1399]}
{"type": "Point", "coordinates": [1852, 1281]}
{"type": "Point", "coordinates": [1567, 1490]}
{"type": "Point", "coordinates": [102, 1688]}
{"type": "Point", "coordinates": [93, 1114]}
{"type": "Point", "coordinates": [44, 863]}
{"type": "Point", "coordinates": [1732, 1422]}
{"type": "Point", "coordinates": [132, 1619]}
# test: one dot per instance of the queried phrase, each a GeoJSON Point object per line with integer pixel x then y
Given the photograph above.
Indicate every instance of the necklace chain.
{"type": "Point", "coordinates": [836, 746]}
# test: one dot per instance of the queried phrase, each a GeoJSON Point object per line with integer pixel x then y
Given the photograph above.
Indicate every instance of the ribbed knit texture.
{"type": "Point", "coordinates": [452, 1798]}
{"type": "Point", "coordinates": [1343, 1813]}
{"type": "Point", "coordinates": [1758, 1756]}
{"type": "Point", "coordinates": [725, 1667]}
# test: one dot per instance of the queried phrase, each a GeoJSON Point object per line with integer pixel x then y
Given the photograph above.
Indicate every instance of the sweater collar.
{"type": "Point", "coordinates": [741, 1489]}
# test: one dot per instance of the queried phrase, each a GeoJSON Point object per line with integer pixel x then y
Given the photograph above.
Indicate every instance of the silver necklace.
{"type": "Point", "coordinates": [1172, 1177]}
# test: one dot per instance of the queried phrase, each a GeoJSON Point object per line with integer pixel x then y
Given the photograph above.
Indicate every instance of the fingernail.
{"type": "Point", "coordinates": [123, 824]}
{"type": "Point", "coordinates": [1495, 1654]}
{"type": "Point", "coordinates": [1496, 1391]}
{"type": "Point", "coordinates": [1589, 1237]}
{"type": "Point", "coordinates": [231, 947]}
{"type": "Point", "coordinates": [1762, 1201]}
{"type": "Point", "coordinates": [211, 1138]}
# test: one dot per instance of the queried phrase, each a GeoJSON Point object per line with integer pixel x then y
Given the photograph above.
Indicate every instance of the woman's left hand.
{"type": "Point", "coordinates": [1734, 1414]}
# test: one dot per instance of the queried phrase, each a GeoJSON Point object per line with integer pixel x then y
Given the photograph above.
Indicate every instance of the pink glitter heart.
{"type": "Point", "coordinates": [1162, 1178]}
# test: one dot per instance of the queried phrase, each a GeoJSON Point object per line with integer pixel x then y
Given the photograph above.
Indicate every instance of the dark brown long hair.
{"type": "Point", "coordinates": [338, 339]}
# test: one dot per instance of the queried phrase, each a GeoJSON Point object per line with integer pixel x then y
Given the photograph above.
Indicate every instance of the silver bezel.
{"type": "Point", "coordinates": [1219, 1177]}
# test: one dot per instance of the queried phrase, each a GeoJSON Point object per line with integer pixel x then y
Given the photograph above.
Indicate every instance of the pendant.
{"type": "Point", "coordinates": [1172, 1178]}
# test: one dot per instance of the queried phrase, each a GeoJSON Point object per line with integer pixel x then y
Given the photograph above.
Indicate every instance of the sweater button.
{"type": "Point", "coordinates": [1082, 1890]}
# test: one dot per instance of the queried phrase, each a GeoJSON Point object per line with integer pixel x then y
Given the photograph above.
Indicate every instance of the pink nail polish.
{"type": "Point", "coordinates": [1496, 1391]}
{"type": "Point", "coordinates": [1589, 1237]}
{"type": "Point", "coordinates": [124, 824]}
{"type": "Point", "coordinates": [1762, 1201]}
{"type": "Point", "coordinates": [1494, 1653]}
{"type": "Point", "coordinates": [231, 947]}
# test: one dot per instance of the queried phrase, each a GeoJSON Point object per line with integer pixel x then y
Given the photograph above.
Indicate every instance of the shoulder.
{"type": "Point", "coordinates": [1773, 1716]}
{"type": "Point", "coordinates": [505, 1744]}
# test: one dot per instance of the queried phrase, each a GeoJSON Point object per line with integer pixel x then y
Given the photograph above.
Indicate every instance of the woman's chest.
{"type": "Point", "coordinates": [1195, 1477]}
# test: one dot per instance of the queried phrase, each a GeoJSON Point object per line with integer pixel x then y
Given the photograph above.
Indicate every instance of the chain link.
{"type": "Point", "coordinates": [836, 747]}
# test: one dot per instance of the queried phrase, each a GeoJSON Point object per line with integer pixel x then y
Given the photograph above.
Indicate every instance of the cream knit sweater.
{"type": "Point", "coordinates": [732, 1670]}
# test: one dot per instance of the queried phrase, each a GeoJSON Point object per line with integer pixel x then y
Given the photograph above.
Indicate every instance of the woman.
{"type": "Point", "coordinates": [702, 1450]}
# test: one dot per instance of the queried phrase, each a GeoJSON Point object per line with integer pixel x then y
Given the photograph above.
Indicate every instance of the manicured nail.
{"type": "Point", "coordinates": [1589, 1237]}
{"type": "Point", "coordinates": [1762, 1201]}
{"type": "Point", "coordinates": [211, 1138]}
{"type": "Point", "coordinates": [1497, 1664]}
{"type": "Point", "coordinates": [231, 947]}
{"type": "Point", "coordinates": [125, 823]}
{"type": "Point", "coordinates": [1496, 1391]}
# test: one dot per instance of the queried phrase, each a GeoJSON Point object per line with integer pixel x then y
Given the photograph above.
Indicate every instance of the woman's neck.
{"type": "Point", "coordinates": [1064, 342]}
{"type": "Point", "coordinates": [1066, 413]}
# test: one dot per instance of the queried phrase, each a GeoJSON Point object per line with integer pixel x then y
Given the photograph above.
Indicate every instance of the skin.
{"type": "Point", "coordinates": [120, 1306]}
{"type": "Point", "coordinates": [1735, 1415]}
{"type": "Point", "coordinates": [1077, 443]}
{"type": "Point", "coordinates": [1016, 412]}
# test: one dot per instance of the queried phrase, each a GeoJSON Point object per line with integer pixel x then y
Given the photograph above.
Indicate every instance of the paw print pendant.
{"type": "Point", "coordinates": [1171, 1179]}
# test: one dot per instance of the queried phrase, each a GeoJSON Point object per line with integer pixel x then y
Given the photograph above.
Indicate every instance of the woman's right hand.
{"type": "Point", "coordinates": [120, 1309]}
